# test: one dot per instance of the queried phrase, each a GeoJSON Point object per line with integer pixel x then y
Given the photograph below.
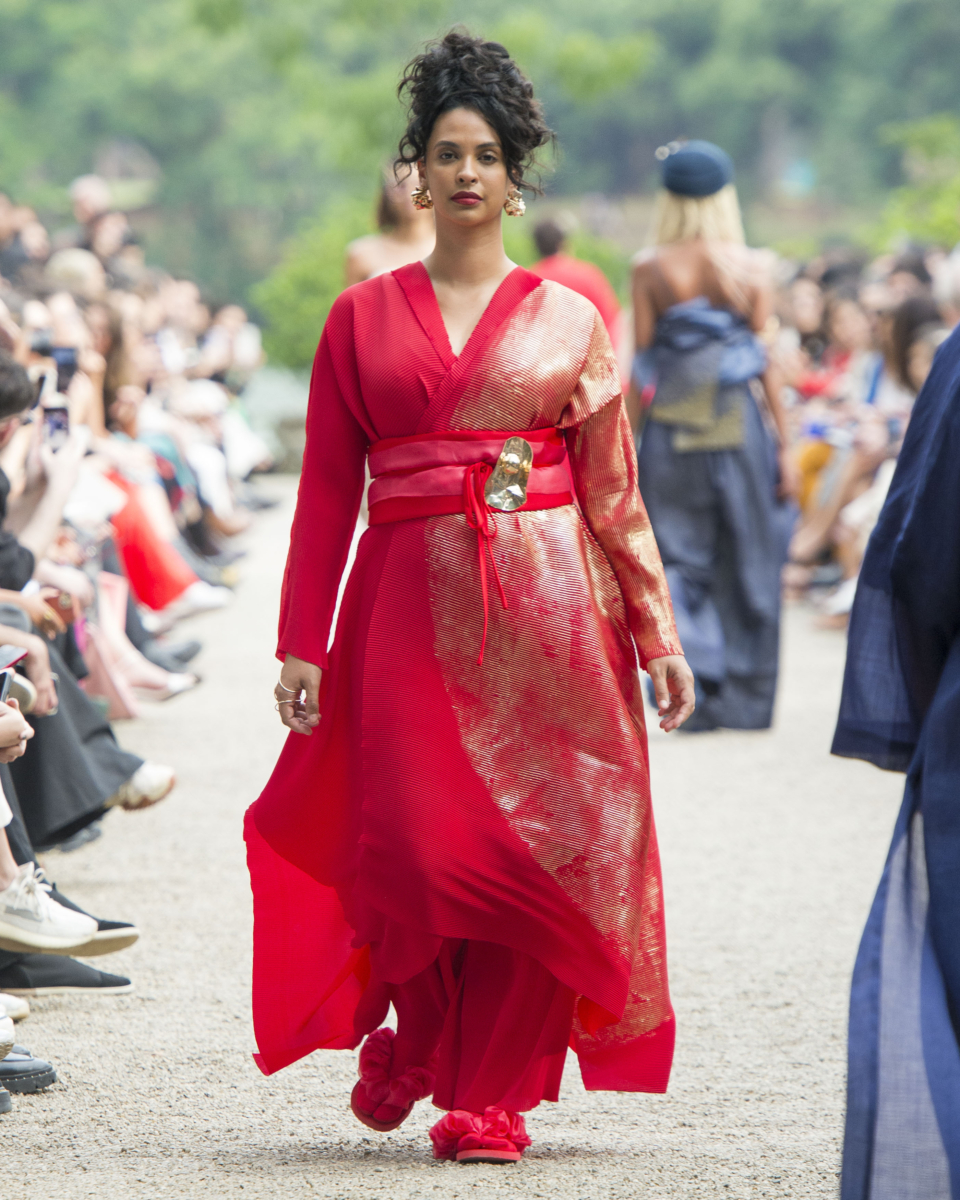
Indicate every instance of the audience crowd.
{"type": "Point", "coordinates": [125, 464]}
{"type": "Point", "coordinates": [854, 340]}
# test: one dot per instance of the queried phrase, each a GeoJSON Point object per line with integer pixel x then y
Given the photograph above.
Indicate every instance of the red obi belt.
{"type": "Point", "coordinates": [474, 472]}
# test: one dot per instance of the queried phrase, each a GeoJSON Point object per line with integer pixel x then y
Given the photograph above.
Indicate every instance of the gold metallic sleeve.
{"type": "Point", "coordinates": [604, 465]}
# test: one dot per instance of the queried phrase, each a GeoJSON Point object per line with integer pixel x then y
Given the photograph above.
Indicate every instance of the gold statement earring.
{"type": "Point", "coordinates": [421, 196]}
{"type": "Point", "coordinates": [513, 206]}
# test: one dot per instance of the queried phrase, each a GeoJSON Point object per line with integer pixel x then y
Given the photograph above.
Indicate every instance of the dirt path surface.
{"type": "Point", "coordinates": [771, 853]}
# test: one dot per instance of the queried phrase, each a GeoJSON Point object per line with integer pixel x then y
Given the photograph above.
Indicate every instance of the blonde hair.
{"type": "Point", "coordinates": [713, 218]}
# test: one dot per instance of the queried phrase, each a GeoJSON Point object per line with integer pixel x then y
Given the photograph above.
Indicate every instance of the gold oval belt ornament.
{"type": "Point", "coordinates": [506, 489]}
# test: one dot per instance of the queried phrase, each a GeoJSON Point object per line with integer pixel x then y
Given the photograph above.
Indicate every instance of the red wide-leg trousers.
{"type": "Point", "coordinates": [497, 1019]}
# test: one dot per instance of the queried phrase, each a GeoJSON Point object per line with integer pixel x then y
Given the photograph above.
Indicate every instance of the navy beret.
{"type": "Point", "coordinates": [695, 168]}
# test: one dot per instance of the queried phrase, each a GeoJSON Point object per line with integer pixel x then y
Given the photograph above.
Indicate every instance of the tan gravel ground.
{"type": "Point", "coordinates": [771, 853]}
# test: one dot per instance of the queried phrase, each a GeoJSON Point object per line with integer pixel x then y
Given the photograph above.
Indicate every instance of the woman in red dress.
{"type": "Point", "coordinates": [460, 824]}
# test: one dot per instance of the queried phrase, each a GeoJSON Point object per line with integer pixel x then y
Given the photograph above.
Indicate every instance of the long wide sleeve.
{"type": "Point", "coordinates": [328, 502]}
{"type": "Point", "coordinates": [604, 466]}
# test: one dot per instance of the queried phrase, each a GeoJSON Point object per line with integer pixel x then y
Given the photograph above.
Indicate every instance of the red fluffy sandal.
{"type": "Point", "coordinates": [494, 1136]}
{"type": "Point", "coordinates": [380, 1102]}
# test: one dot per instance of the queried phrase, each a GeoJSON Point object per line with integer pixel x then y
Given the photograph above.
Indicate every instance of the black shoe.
{"type": "Point", "coordinates": [184, 652]}
{"type": "Point", "coordinates": [5, 1102]}
{"type": "Point", "coordinates": [207, 570]}
{"type": "Point", "coordinates": [110, 936]}
{"type": "Point", "coordinates": [89, 833]}
{"type": "Point", "coordinates": [200, 538]}
{"type": "Point", "coordinates": [57, 975]}
{"type": "Point", "coordinates": [24, 1073]}
{"type": "Point", "coordinates": [170, 658]}
{"type": "Point", "coordinates": [254, 502]}
{"type": "Point", "coordinates": [226, 558]}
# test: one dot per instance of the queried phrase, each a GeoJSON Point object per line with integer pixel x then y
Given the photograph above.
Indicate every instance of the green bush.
{"type": "Point", "coordinates": [927, 209]}
{"type": "Point", "coordinates": [296, 296]}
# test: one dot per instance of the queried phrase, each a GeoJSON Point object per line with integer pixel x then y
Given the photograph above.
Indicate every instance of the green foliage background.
{"type": "Point", "coordinates": [266, 117]}
{"type": "Point", "coordinates": [927, 207]}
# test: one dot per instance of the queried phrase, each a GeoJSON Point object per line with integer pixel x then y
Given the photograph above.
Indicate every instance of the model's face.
{"type": "Point", "coordinates": [465, 169]}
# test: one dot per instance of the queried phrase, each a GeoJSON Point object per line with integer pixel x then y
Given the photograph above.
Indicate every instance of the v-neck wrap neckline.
{"type": "Point", "coordinates": [418, 288]}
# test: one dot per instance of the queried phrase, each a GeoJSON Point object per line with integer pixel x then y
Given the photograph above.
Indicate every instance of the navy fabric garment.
{"type": "Point", "coordinates": [900, 709]}
{"type": "Point", "coordinates": [722, 532]}
{"type": "Point", "coordinates": [696, 326]}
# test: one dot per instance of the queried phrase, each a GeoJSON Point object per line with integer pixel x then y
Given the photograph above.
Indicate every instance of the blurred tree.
{"type": "Point", "coordinates": [296, 296]}
{"type": "Point", "coordinates": [927, 208]}
{"type": "Point", "coordinates": [262, 114]}
{"type": "Point", "coordinates": [259, 113]}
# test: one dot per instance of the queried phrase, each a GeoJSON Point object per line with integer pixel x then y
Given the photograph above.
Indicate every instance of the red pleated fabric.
{"type": "Point", "coordinates": [495, 813]}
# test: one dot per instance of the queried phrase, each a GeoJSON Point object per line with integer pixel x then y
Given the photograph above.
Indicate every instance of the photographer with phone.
{"type": "Point", "coordinates": [53, 464]}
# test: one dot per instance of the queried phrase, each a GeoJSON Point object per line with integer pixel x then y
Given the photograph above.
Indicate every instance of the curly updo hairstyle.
{"type": "Point", "coordinates": [466, 72]}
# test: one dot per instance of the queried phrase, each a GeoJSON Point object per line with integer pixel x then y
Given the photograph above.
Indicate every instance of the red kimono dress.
{"type": "Point", "coordinates": [471, 841]}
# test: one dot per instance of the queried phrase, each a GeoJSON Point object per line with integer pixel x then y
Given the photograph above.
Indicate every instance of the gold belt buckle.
{"type": "Point", "coordinates": [506, 489]}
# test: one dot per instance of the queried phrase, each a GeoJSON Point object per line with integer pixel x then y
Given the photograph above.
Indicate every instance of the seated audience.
{"type": "Point", "coordinates": [851, 384]}
{"type": "Point", "coordinates": [125, 461]}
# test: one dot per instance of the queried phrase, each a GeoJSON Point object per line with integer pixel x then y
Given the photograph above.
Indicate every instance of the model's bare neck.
{"type": "Point", "coordinates": [468, 257]}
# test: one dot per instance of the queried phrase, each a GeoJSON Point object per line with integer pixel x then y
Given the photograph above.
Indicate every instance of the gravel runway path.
{"type": "Point", "coordinates": [771, 853]}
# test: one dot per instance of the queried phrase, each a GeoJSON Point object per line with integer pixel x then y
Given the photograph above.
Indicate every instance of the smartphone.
{"type": "Point", "coordinates": [56, 426]}
{"type": "Point", "coordinates": [41, 342]}
{"type": "Point", "coordinates": [66, 359]}
{"type": "Point", "coordinates": [45, 382]}
{"type": "Point", "coordinates": [11, 655]}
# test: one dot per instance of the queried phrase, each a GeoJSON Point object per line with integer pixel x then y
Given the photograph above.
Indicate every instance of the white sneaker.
{"type": "Point", "coordinates": [147, 785]}
{"type": "Point", "coordinates": [7, 1036]}
{"type": "Point", "coordinates": [156, 623]}
{"type": "Point", "coordinates": [842, 599]}
{"type": "Point", "coordinates": [30, 920]}
{"type": "Point", "coordinates": [199, 597]}
{"type": "Point", "coordinates": [15, 1007]}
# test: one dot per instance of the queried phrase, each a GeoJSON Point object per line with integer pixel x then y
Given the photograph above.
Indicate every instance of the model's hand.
{"type": "Point", "coordinates": [673, 686]}
{"type": "Point", "coordinates": [298, 695]}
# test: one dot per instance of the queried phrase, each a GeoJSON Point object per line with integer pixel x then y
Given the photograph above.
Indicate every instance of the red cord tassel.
{"type": "Point", "coordinates": [478, 518]}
